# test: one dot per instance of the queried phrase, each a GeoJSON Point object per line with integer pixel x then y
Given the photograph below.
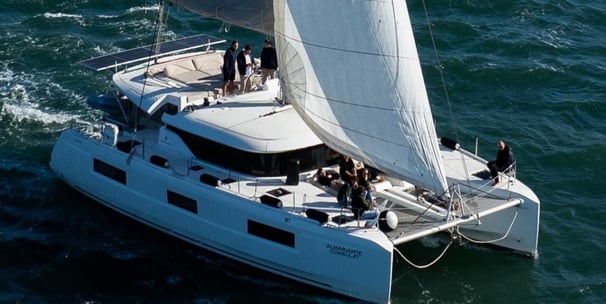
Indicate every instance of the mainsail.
{"type": "Point", "coordinates": [352, 71]}
{"type": "Point", "coordinates": [257, 15]}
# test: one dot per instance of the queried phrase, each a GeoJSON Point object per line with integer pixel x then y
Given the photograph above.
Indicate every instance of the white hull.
{"type": "Point", "coordinates": [506, 215]}
{"type": "Point", "coordinates": [354, 263]}
{"type": "Point", "coordinates": [515, 228]}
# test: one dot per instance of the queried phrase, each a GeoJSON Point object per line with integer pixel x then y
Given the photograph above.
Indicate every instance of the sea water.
{"type": "Point", "coordinates": [532, 73]}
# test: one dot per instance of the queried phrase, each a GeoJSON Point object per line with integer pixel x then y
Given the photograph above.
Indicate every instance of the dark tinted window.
{"type": "Point", "coordinates": [272, 164]}
{"type": "Point", "coordinates": [109, 171]}
{"type": "Point", "coordinates": [271, 233]}
{"type": "Point", "coordinates": [182, 201]}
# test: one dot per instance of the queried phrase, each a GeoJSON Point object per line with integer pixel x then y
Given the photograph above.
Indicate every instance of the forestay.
{"type": "Point", "coordinates": [351, 70]}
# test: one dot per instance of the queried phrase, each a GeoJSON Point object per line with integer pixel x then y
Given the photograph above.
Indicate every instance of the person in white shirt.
{"type": "Point", "coordinates": [245, 68]}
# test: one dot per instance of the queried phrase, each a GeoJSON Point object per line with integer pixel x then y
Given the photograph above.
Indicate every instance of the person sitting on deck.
{"type": "Point", "coordinates": [364, 180]}
{"type": "Point", "coordinates": [502, 163]}
{"type": "Point", "coordinates": [325, 177]}
{"type": "Point", "coordinates": [360, 201]}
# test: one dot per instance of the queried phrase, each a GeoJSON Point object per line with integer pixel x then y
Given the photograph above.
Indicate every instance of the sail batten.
{"type": "Point", "coordinates": [351, 70]}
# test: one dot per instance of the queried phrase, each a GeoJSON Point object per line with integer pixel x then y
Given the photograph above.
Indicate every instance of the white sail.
{"type": "Point", "coordinates": [352, 71]}
{"type": "Point", "coordinates": [256, 15]}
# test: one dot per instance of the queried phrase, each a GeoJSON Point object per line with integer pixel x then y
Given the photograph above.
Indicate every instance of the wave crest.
{"type": "Point", "coordinates": [62, 15]}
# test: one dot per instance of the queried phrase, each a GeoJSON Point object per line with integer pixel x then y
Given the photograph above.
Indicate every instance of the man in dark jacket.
{"type": "Point", "coordinates": [229, 68]}
{"type": "Point", "coordinates": [503, 161]}
{"type": "Point", "coordinates": [347, 168]}
{"type": "Point", "coordinates": [269, 61]}
{"type": "Point", "coordinates": [245, 64]}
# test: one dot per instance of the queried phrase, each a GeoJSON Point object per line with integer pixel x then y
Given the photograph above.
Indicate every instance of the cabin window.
{"type": "Point", "coordinates": [182, 201]}
{"type": "Point", "coordinates": [110, 171]}
{"type": "Point", "coordinates": [271, 233]}
{"type": "Point", "coordinates": [260, 164]}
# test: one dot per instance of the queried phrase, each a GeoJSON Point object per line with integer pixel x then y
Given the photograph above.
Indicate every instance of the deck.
{"type": "Point", "coordinates": [417, 217]}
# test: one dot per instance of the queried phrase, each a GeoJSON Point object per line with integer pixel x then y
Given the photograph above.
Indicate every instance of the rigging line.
{"type": "Point", "coordinates": [435, 50]}
{"type": "Point", "coordinates": [515, 216]}
{"type": "Point", "coordinates": [431, 204]}
{"type": "Point", "coordinates": [448, 103]}
{"type": "Point", "coordinates": [426, 265]}
{"type": "Point", "coordinates": [415, 220]}
{"type": "Point", "coordinates": [152, 50]}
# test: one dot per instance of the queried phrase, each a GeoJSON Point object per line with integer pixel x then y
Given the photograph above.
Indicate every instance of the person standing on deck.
{"type": "Point", "coordinates": [269, 62]}
{"type": "Point", "coordinates": [347, 169]}
{"type": "Point", "coordinates": [229, 68]}
{"type": "Point", "coordinates": [245, 65]}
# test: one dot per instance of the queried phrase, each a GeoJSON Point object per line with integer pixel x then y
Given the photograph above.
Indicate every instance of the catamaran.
{"type": "Point", "coordinates": [236, 174]}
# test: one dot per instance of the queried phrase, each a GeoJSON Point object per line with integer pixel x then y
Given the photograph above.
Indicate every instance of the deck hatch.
{"type": "Point", "coordinates": [271, 233]}
{"type": "Point", "coordinates": [278, 192]}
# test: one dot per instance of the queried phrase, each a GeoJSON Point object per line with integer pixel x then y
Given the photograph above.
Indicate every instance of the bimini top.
{"type": "Point", "coordinates": [150, 52]}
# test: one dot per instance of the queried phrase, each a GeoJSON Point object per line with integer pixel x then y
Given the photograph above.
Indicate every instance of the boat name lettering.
{"type": "Point", "coordinates": [344, 251]}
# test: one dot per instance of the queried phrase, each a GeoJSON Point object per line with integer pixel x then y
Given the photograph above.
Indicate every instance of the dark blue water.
{"type": "Point", "coordinates": [530, 72]}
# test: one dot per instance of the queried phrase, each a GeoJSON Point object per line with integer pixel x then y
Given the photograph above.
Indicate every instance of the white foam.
{"type": "Point", "coordinates": [112, 49]}
{"type": "Point", "coordinates": [62, 15]}
{"type": "Point", "coordinates": [23, 98]}
{"type": "Point", "coordinates": [6, 74]}
{"type": "Point", "coordinates": [154, 7]}
{"type": "Point", "coordinates": [76, 17]}
{"type": "Point", "coordinates": [107, 16]}
{"type": "Point", "coordinates": [17, 104]}
{"type": "Point", "coordinates": [28, 111]}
